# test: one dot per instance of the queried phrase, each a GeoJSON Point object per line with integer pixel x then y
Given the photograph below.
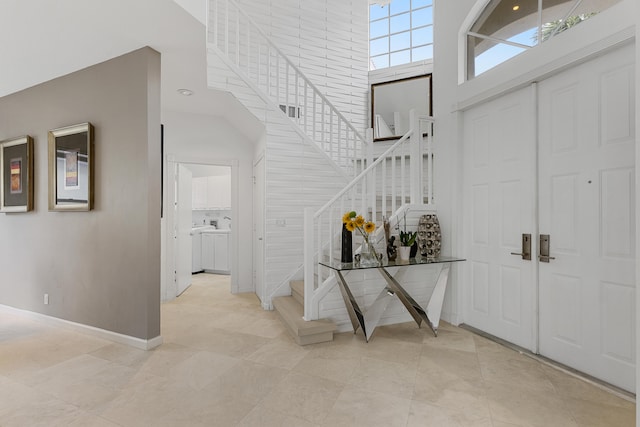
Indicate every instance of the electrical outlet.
{"type": "Point", "coordinates": [46, 299]}
{"type": "Point", "coordinates": [281, 222]}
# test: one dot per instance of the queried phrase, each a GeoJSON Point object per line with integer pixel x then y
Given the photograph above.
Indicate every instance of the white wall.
{"type": "Point", "coordinates": [447, 146]}
{"type": "Point", "coordinates": [210, 139]}
{"type": "Point", "coordinates": [637, 19]}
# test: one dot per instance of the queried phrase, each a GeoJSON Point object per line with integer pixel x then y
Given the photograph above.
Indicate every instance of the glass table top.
{"type": "Point", "coordinates": [418, 260]}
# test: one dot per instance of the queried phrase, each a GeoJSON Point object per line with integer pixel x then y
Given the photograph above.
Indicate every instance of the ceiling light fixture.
{"type": "Point", "coordinates": [185, 92]}
{"type": "Point", "coordinates": [516, 7]}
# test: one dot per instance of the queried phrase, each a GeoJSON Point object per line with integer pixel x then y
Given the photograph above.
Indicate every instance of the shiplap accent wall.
{"type": "Point", "coordinates": [328, 40]}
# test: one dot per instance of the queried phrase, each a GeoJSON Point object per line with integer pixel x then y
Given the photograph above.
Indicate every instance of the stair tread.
{"type": "Point", "coordinates": [292, 312]}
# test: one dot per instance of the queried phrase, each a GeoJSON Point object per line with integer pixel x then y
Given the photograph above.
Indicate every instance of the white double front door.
{"type": "Point", "coordinates": [556, 159]}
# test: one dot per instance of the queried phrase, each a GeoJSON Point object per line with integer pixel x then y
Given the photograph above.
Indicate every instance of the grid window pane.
{"type": "Point", "coordinates": [422, 36]}
{"type": "Point", "coordinates": [399, 58]}
{"type": "Point", "coordinates": [422, 17]}
{"type": "Point", "coordinates": [415, 4]}
{"type": "Point", "coordinates": [378, 28]}
{"type": "Point", "coordinates": [378, 62]}
{"type": "Point", "coordinates": [400, 41]}
{"type": "Point", "coordinates": [379, 46]}
{"type": "Point", "coordinates": [399, 28]}
{"type": "Point", "coordinates": [400, 23]}
{"type": "Point", "coordinates": [399, 6]}
{"type": "Point", "coordinates": [422, 53]}
{"type": "Point", "coordinates": [377, 12]}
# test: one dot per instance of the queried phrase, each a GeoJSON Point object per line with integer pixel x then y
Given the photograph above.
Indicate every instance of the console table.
{"type": "Point", "coordinates": [368, 319]}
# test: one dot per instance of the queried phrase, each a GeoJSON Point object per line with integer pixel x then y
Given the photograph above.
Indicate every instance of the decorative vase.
{"type": "Point", "coordinates": [405, 252]}
{"type": "Point", "coordinates": [346, 254]}
{"type": "Point", "coordinates": [429, 236]}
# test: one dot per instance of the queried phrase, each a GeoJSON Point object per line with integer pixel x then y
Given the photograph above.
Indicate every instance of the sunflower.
{"type": "Point", "coordinates": [369, 227]}
{"type": "Point", "coordinates": [347, 217]}
{"type": "Point", "coordinates": [359, 221]}
{"type": "Point", "coordinates": [351, 226]}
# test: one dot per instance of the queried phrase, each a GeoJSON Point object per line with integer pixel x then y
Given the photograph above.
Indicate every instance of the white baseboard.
{"type": "Point", "coordinates": [86, 329]}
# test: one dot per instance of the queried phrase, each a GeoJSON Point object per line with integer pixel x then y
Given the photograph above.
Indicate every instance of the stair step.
{"type": "Point", "coordinates": [303, 332]}
{"type": "Point", "coordinates": [297, 290]}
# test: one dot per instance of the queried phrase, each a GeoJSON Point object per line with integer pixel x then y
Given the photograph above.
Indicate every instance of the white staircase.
{"type": "Point", "coordinates": [389, 186]}
{"type": "Point", "coordinates": [312, 151]}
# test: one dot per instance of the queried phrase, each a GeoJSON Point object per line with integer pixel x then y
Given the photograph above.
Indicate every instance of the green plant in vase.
{"type": "Point", "coordinates": [408, 238]}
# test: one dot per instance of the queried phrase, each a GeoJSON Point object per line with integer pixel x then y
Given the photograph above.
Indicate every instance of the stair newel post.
{"type": "Point", "coordinates": [309, 262]}
{"type": "Point", "coordinates": [416, 158]}
{"type": "Point", "coordinates": [369, 184]}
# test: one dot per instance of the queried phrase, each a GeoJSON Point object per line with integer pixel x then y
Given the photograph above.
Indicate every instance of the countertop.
{"type": "Point", "coordinates": [210, 229]}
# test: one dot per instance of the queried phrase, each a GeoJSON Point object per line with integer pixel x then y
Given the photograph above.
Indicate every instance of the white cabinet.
{"type": "Point", "coordinates": [221, 249]}
{"type": "Point", "coordinates": [219, 191]}
{"type": "Point", "coordinates": [212, 192]}
{"type": "Point", "coordinates": [199, 192]}
{"type": "Point", "coordinates": [208, 251]}
{"type": "Point", "coordinates": [215, 252]}
{"type": "Point", "coordinates": [196, 251]}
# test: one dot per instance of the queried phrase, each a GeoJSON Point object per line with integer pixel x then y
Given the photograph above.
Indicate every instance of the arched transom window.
{"type": "Point", "coordinates": [506, 28]}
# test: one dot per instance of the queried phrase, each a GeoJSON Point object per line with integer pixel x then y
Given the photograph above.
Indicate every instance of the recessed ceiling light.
{"type": "Point", "coordinates": [516, 7]}
{"type": "Point", "coordinates": [185, 92]}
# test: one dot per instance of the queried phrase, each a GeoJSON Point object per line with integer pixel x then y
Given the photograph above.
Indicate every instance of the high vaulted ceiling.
{"type": "Point", "coordinates": [44, 39]}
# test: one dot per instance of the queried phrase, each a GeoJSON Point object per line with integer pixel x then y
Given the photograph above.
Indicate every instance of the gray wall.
{"type": "Point", "coordinates": [100, 268]}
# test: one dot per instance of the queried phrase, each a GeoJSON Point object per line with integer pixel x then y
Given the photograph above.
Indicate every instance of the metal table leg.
{"type": "Point", "coordinates": [367, 320]}
{"type": "Point", "coordinates": [434, 306]}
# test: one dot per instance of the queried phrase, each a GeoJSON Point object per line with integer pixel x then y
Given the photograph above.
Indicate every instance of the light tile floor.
{"type": "Point", "coordinates": [226, 362]}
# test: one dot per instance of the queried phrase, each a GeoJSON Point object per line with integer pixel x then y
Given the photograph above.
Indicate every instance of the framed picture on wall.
{"type": "Point", "coordinates": [71, 168]}
{"type": "Point", "coordinates": [16, 174]}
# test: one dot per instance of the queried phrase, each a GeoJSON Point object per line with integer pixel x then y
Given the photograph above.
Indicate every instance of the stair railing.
{"type": "Point", "coordinates": [250, 52]}
{"type": "Point", "coordinates": [403, 174]}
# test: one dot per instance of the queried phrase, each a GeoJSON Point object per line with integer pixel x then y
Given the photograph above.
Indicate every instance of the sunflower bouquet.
{"type": "Point", "coordinates": [352, 222]}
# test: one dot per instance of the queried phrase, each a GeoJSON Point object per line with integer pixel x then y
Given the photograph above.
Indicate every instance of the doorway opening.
{"type": "Point", "coordinates": [211, 219]}
{"type": "Point", "coordinates": [200, 239]}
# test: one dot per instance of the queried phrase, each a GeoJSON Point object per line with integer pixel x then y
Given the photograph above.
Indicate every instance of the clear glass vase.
{"type": "Point", "coordinates": [369, 257]}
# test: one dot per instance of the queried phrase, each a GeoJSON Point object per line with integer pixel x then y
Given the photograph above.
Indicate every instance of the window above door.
{"type": "Point", "coordinates": [506, 28]}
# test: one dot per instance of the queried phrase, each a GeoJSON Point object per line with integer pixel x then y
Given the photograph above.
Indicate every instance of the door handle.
{"type": "Point", "coordinates": [526, 247]}
{"type": "Point", "coordinates": [545, 244]}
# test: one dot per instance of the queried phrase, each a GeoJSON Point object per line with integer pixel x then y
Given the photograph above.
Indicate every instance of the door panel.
{"type": "Point", "coordinates": [183, 229]}
{"type": "Point", "coordinates": [258, 229]}
{"type": "Point", "coordinates": [587, 205]}
{"type": "Point", "coordinates": [499, 188]}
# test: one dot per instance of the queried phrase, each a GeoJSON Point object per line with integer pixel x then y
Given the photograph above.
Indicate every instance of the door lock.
{"type": "Point", "coordinates": [526, 247]}
{"type": "Point", "coordinates": [545, 244]}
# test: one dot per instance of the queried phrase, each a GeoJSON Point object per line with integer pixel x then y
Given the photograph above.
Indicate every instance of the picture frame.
{"type": "Point", "coordinates": [71, 168]}
{"type": "Point", "coordinates": [16, 174]}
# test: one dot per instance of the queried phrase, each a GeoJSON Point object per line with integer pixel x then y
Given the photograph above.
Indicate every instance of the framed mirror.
{"type": "Point", "coordinates": [392, 101]}
{"type": "Point", "coordinates": [71, 168]}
